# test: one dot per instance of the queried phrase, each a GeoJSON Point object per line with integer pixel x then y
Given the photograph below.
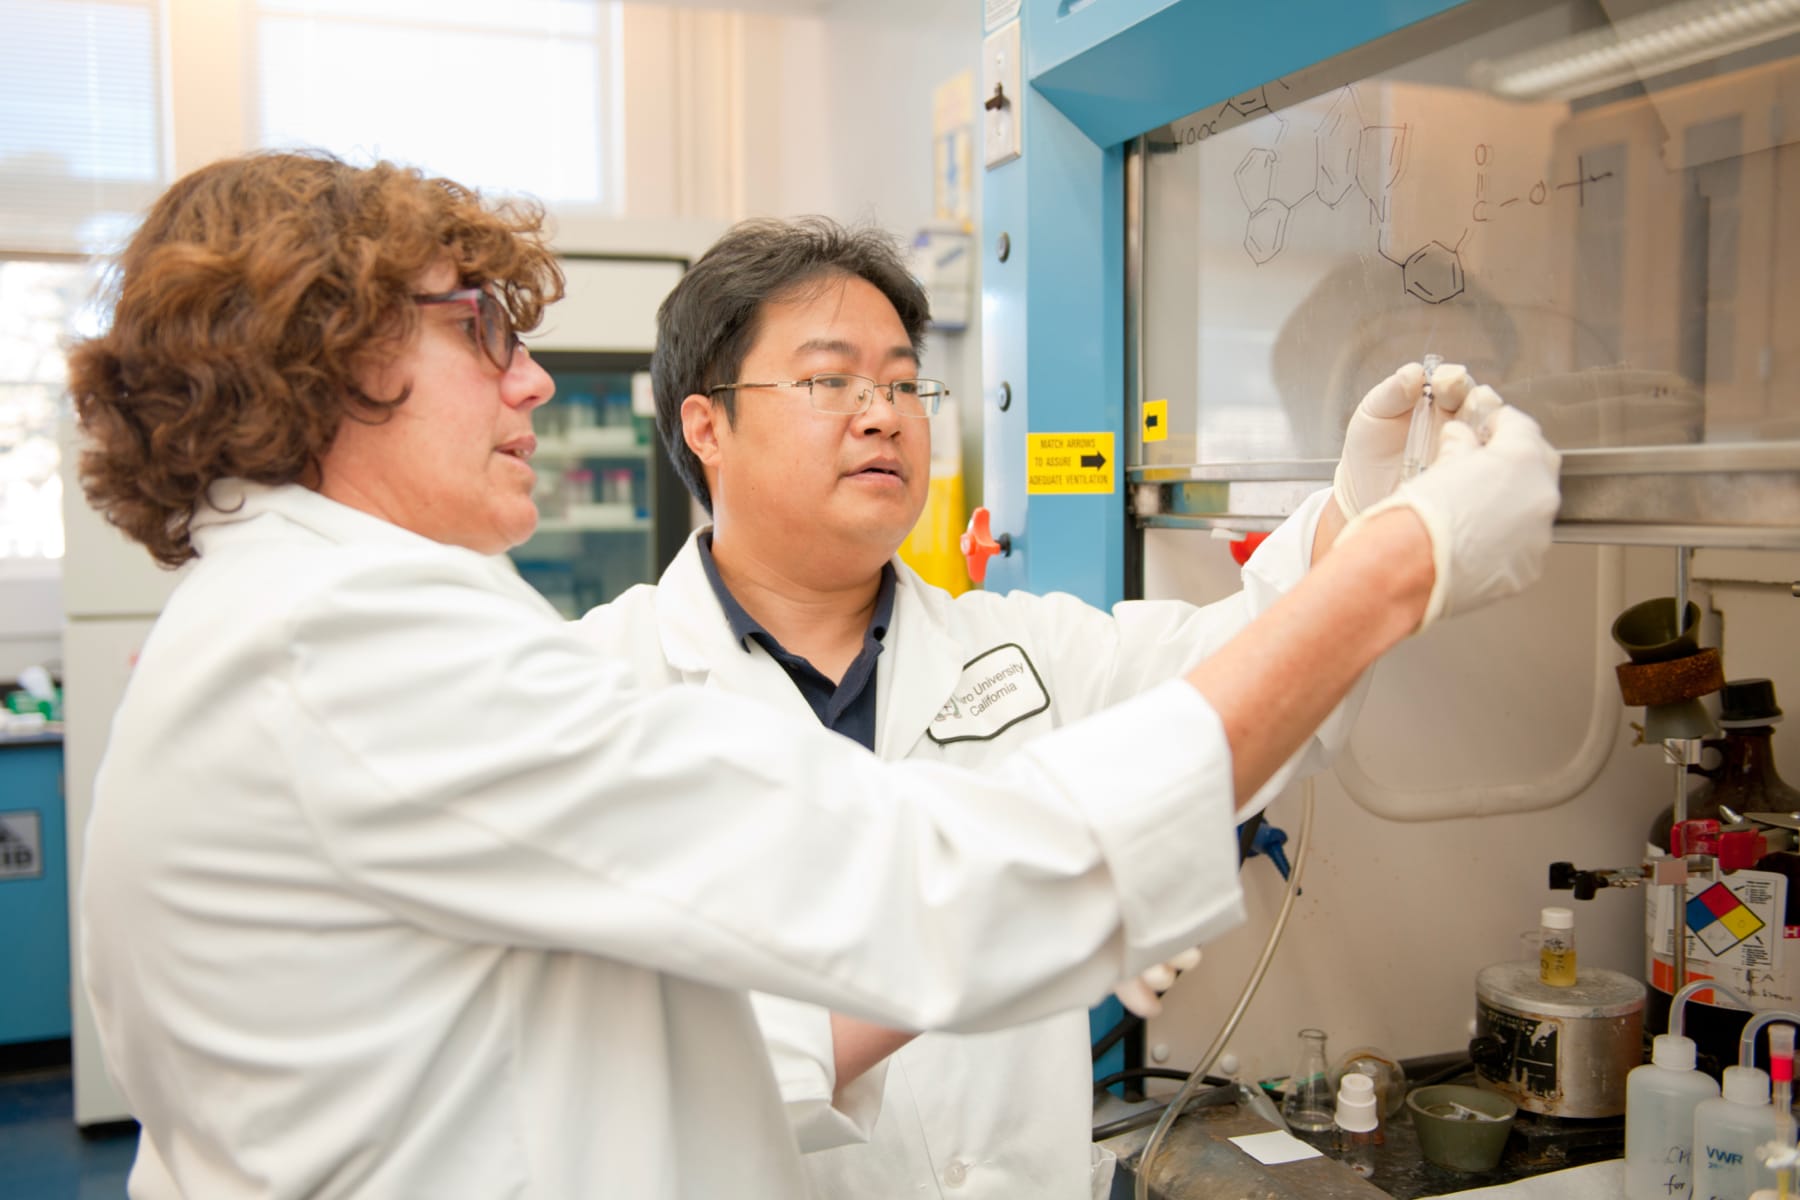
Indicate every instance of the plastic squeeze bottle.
{"type": "Point", "coordinates": [1728, 1134]}
{"type": "Point", "coordinates": [1660, 1098]}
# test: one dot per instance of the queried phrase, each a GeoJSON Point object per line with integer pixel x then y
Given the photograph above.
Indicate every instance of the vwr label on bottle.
{"type": "Point", "coordinates": [21, 845]}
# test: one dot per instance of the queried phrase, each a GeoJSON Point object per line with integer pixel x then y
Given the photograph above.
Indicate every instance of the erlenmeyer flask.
{"type": "Point", "coordinates": [1309, 1104]}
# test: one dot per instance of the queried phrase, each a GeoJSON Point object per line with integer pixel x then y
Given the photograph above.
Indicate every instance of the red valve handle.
{"type": "Point", "coordinates": [979, 544]}
{"type": "Point", "coordinates": [1242, 548]}
{"type": "Point", "coordinates": [1735, 849]}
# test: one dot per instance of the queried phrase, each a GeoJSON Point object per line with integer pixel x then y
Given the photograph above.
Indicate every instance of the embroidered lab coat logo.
{"type": "Point", "coordinates": [998, 689]}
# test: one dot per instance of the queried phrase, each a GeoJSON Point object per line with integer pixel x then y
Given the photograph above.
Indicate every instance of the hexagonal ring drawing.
{"type": "Point", "coordinates": [1380, 159]}
{"type": "Point", "coordinates": [1433, 273]}
{"type": "Point", "coordinates": [1340, 142]}
{"type": "Point", "coordinates": [1256, 177]}
{"type": "Point", "coordinates": [1296, 162]}
{"type": "Point", "coordinates": [1266, 231]}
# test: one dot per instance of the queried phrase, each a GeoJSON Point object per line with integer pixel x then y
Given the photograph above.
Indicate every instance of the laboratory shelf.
{"type": "Point", "coordinates": [598, 522]}
{"type": "Point", "coordinates": [602, 442]}
{"type": "Point", "coordinates": [613, 512]}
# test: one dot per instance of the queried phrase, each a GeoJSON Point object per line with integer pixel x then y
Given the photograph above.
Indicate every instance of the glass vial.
{"type": "Point", "coordinates": [1309, 1106]}
{"type": "Point", "coordinates": [1358, 1123]}
{"type": "Point", "coordinates": [1556, 947]}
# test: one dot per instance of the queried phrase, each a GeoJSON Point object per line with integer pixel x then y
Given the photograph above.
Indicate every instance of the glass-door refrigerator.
{"type": "Point", "coordinates": [611, 510]}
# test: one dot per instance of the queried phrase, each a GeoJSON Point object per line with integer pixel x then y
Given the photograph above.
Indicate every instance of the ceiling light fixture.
{"type": "Point", "coordinates": [1638, 48]}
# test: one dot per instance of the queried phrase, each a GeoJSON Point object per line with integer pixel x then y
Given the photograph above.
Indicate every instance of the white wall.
{"type": "Point", "coordinates": [839, 122]}
{"type": "Point", "coordinates": [30, 618]}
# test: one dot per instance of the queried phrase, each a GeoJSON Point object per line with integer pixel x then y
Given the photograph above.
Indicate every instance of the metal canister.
{"type": "Point", "coordinates": [1560, 1051]}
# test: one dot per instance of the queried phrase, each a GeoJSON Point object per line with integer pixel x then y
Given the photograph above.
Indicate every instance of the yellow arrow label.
{"type": "Point", "coordinates": [1156, 420]}
{"type": "Point", "coordinates": [1069, 464]}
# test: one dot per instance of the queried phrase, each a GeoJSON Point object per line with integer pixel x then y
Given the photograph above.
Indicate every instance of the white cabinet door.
{"type": "Point", "coordinates": [97, 659]}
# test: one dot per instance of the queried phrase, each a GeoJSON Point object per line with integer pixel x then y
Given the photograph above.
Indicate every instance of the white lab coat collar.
{"type": "Point", "coordinates": [698, 643]}
{"type": "Point", "coordinates": [917, 670]}
{"type": "Point", "coordinates": [231, 502]}
{"type": "Point", "coordinates": [920, 666]}
{"type": "Point", "coordinates": [233, 505]}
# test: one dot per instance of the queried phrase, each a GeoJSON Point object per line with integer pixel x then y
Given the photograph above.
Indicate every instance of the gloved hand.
{"type": "Point", "coordinates": [1375, 441]}
{"type": "Point", "coordinates": [1142, 996]}
{"type": "Point", "coordinates": [1488, 508]}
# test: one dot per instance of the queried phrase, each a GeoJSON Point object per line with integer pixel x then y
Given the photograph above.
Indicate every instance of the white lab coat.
{"type": "Point", "coordinates": [396, 888]}
{"type": "Point", "coordinates": [964, 680]}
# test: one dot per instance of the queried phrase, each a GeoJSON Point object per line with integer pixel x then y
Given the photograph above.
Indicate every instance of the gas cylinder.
{"type": "Point", "coordinates": [1744, 929]}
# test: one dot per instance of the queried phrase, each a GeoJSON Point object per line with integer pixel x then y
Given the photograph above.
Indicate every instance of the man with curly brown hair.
{"type": "Point", "coordinates": [396, 887]}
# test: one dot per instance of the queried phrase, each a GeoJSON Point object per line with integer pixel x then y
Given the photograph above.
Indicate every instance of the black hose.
{"type": "Point", "coordinates": [1460, 1066]}
{"type": "Point", "coordinates": [1152, 1073]}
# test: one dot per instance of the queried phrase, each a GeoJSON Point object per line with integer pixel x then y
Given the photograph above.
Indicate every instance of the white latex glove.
{"type": "Point", "coordinates": [1488, 508]}
{"type": "Point", "coordinates": [1142, 996]}
{"type": "Point", "coordinates": [1375, 441]}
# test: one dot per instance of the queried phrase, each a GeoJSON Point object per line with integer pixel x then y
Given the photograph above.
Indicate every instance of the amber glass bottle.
{"type": "Point", "coordinates": [1744, 779]}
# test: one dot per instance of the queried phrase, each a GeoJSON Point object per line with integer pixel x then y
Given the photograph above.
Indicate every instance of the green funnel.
{"type": "Point", "coordinates": [1648, 634]}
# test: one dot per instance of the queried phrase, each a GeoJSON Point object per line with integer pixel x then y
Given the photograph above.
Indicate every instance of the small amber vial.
{"type": "Point", "coordinates": [1556, 947]}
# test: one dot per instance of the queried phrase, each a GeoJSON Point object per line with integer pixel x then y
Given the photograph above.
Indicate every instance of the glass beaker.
{"type": "Point", "coordinates": [1309, 1106]}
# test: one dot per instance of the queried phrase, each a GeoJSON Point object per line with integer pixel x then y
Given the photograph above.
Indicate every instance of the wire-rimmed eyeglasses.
{"type": "Point", "coordinates": [493, 324]}
{"type": "Point", "coordinates": [833, 392]}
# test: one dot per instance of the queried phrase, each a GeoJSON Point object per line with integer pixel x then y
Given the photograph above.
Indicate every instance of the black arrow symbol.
{"type": "Point", "coordinates": [1093, 460]}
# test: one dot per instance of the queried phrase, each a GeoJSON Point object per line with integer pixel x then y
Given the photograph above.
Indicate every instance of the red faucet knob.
{"type": "Point", "coordinates": [1242, 548]}
{"type": "Point", "coordinates": [979, 544]}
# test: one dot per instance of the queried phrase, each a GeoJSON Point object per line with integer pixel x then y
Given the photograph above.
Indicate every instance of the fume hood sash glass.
{"type": "Point", "coordinates": [1618, 256]}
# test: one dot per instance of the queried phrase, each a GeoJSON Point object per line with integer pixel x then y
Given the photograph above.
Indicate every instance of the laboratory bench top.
{"type": "Point", "coordinates": [1198, 1160]}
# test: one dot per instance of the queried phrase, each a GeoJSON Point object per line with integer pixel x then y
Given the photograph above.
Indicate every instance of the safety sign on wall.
{"type": "Point", "coordinates": [1059, 464]}
{"type": "Point", "coordinates": [21, 845]}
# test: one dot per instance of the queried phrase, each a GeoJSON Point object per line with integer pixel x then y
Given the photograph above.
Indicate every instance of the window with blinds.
{"type": "Point", "coordinates": [515, 97]}
{"type": "Point", "coordinates": [81, 137]}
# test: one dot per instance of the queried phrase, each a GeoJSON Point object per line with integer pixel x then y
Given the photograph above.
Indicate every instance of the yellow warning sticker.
{"type": "Point", "coordinates": [1069, 464]}
{"type": "Point", "coordinates": [1156, 420]}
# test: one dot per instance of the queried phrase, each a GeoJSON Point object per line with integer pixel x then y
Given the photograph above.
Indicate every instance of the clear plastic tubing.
{"type": "Point", "coordinates": [1754, 1026]}
{"type": "Point", "coordinates": [1678, 1004]}
{"type": "Point", "coordinates": [1147, 1160]}
{"type": "Point", "coordinates": [1418, 434]}
{"type": "Point", "coordinates": [1781, 1068]}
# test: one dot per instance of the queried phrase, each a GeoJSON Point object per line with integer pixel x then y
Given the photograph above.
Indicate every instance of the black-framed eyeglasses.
{"type": "Point", "coordinates": [833, 392]}
{"type": "Point", "coordinates": [493, 324]}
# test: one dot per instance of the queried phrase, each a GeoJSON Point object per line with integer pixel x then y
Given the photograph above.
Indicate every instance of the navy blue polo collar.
{"type": "Point", "coordinates": [743, 626]}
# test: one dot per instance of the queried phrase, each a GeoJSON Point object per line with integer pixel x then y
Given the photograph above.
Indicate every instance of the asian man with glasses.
{"type": "Point", "coordinates": [789, 397]}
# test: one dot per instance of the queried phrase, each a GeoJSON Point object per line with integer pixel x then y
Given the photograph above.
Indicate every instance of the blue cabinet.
{"type": "Point", "coordinates": [34, 892]}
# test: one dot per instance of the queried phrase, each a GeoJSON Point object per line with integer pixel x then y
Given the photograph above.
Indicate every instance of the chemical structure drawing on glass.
{"type": "Point", "coordinates": [1484, 210]}
{"type": "Point", "coordinates": [1332, 155]}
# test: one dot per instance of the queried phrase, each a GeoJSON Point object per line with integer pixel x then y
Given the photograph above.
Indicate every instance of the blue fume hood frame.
{"type": "Point", "coordinates": [1099, 73]}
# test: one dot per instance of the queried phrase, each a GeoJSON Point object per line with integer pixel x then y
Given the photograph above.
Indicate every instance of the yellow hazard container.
{"type": "Point", "coordinates": [933, 547]}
